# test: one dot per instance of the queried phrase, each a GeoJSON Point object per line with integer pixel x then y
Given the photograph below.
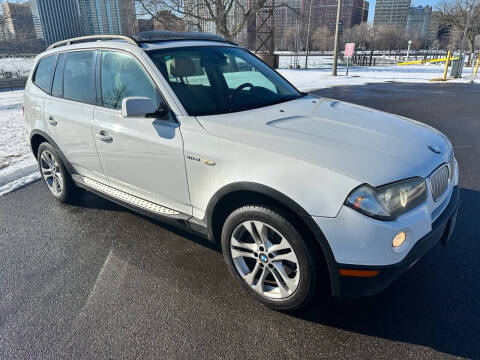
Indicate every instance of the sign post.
{"type": "Point", "coordinates": [349, 50]}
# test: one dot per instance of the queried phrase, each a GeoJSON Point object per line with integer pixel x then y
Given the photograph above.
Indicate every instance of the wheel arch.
{"type": "Point", "coordinates": [235, 195]}
{"type": "Point", "coordinates": [37, 137]}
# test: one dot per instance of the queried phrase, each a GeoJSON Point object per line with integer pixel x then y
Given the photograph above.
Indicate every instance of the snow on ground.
{"type": "Point", "coordinates": [15, 64]}
{"type": "Point", "coordinates": [17, 163]}
{"type": "Point", "coordinates": [18, 166]}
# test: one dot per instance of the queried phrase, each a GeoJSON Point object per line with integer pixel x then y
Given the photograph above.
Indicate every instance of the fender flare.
{"type": "Point", "coordinates": [289, 204]}
{"type": "Point", "coordinates": [71, 171]}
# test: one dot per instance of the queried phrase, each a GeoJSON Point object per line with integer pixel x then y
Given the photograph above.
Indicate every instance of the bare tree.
{"type": "Point", "coordinates": [361, 35]}
{"type": "Point", "coordinates": [386, 37]}
{"type": "Point", "coordinates": [462, 15]}
{"type": "Point", "coordinates": [322, 39]}
{"type": "Point", "coordinates": [229, 16]}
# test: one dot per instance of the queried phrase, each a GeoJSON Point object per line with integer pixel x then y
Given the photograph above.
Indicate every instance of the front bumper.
{"type": "Point", "coordinates": [360, 286]}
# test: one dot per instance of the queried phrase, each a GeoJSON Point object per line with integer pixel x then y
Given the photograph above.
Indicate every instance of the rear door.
{"type": "Point", "coordinates": [69, 111]}
{"type": "Point", "coordinates": [140, 156]}
{"type": "Point", "coordinates": [35, 93]}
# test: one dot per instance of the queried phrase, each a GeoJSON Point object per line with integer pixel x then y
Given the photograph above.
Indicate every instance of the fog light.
{"type": "Point", "coordinates": [399, 239]}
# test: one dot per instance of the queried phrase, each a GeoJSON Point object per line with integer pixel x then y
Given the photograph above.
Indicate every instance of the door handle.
{"type": "Point", "coordinates": [52, 121]}
{"type": "Point", "coordinates": [103, 135]}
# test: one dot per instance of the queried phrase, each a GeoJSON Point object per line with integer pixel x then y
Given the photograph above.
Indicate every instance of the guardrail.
{"type": "Point", "coordinates": [12, 83]}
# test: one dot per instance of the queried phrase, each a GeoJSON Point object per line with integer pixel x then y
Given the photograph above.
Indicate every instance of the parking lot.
{"type": "Point", "coordinates": [94, 280]}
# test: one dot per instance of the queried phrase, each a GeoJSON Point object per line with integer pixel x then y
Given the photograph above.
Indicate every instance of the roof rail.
{"type": "Point", "coordinates": [93, 38]}
{"type": "Point", "coordinates": [153, 36]}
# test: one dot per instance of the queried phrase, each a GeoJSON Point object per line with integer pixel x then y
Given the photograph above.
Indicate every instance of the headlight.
{"type": "Point", "coordinates": [389, 201]}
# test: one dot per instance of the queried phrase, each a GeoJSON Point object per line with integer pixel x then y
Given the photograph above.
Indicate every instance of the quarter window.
{"type": "Point", "coordinates": [121, 77]}
{"type": "Point", "coordinates": [78, 77]}
{"type": "Point", "coordinates": [43, 74]}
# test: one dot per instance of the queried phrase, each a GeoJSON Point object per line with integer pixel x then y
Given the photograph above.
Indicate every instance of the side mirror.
{"type": "Point", "coordinates": [137, 106]}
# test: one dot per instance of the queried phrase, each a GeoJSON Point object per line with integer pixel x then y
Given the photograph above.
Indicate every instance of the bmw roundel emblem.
{"type": "Point", "coordinates": [435, 149]}
{"type": "Point", "coordinates": [263, 258]}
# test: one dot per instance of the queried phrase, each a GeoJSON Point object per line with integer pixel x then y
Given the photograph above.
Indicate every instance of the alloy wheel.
{"type": "Point", "coordinates": [265, 259]}
{"type": "Point", "coordinates": [51, 172]}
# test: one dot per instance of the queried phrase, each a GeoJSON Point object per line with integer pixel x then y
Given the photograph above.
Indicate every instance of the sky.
{"type": "Point", "coordinates": [432, 3]}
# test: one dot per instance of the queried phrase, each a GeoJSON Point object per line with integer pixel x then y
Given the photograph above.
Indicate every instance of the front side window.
{"type": "Point", "coordinates": [220, 79]}
{"type": "Point", "coordinates": [121, 77]}
{"type": "Point", "coordinates": [43, 74]}
{"type": "Point", "coordinates": [78, 77]}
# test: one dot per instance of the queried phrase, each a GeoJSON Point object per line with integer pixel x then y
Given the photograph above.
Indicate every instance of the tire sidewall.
{"type": "Point", "coordinates": [308, 276]}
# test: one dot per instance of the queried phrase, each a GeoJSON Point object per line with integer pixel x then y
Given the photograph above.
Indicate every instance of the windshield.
{"type": "Point", "coordinates": [220, 79]}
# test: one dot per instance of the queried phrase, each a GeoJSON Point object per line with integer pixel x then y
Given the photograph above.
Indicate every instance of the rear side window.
{"type": "Point", "coordinates": [43, 75]}
{"type": "Point", "coordinates": [122, 77]}
{"type": "Point", "coordinates": [57, 87]}
{"type": "Point", "coordinates": [78, 77]}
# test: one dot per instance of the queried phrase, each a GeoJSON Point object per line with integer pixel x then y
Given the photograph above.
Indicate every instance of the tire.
{"type": "Point", "coordinates": [55, 176]}
{"type": "Point", "coordinates": [296, 274]}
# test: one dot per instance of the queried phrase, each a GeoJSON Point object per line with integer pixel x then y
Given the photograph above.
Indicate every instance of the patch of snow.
{"type": "Point", "coordinates": [312, 79]}
{"type": "Point", "coordinates": [16, 159]}
{"type": "Point", "coordinates": [14, 64]}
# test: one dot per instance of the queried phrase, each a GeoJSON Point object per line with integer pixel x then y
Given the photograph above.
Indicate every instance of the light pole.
{"type": "Point", "coordinates": [308, 33]}
{"type": "Point", "coordinates": [335, 46]}
{"type": "Point", "coordinates": [408, 50]}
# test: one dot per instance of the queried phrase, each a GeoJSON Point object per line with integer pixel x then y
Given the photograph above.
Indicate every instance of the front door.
{"type": "Point", "coordinates": [140, 156]}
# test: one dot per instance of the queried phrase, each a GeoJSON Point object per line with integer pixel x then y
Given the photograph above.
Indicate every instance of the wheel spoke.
{"type": "Point", "coordinates": [283, 245]}
{"type": "Point", "coordinates": [250, 246]}
{"type": "Point", "coordinates": [280, 275]}
{"type": "Point", "coordinates": [280, 269]}
{"type": "Point", "coordinates": [288, 256]}
{"type": "Point", "coordinates": [259, 285]}
{"type": "Point", "coordinates": [239, 253]}
{"type": "Point", "coordinates": [251, 275]}
{"type": "Point", "coordinates": [55, 184]}
{"type": "Point", "coordinates": [252, 228]}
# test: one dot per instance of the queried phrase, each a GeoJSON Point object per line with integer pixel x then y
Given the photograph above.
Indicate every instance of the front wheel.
{"type": "Point", "coordinates": [268, 256]}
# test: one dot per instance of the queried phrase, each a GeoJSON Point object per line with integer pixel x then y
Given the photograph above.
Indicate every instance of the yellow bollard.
{"type": "Point", "coordinates": [446, 66]}
{"type": "Point", "coordinates": [476, 65]}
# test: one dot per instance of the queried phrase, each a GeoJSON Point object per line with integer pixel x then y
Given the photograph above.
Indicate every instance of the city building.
{"type": "Point", "coordinates": [391, 12]}
{"type": "Point", "coordinates": [366, 6]}
{"type": "Point", "coordinates": [17, 21]}
{"type": "Point", "coordinates": [418, 21]}
{"type": "Point", "coordinates": [55, 20]}
{"type": "Point", "coordinates": [107, 17]}
{"type": "Point", "coordinates": [322, 13]}
{"type": "Point", "coordinates": [434, 26]}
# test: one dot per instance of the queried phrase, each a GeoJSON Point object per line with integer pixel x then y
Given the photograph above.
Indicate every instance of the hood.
{"type": "Point", "coordinates": [368, 145]}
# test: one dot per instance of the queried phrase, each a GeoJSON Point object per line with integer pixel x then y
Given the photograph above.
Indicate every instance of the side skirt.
{"type": "Point", "coordinates": [142, 206]}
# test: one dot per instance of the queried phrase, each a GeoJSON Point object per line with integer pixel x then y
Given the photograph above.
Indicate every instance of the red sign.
{"type": "Point", "coordinates": [349, 49]}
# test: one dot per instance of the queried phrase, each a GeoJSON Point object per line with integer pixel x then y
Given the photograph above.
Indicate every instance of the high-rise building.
{"type": "Point", "coordinates": [418, 20]}
{"type": "Point", "coordinates": [434, 27]}
{"type": "Point", "coordinates": [391, 12]}
{"type": "Point", "coordinates": [55, 20]}
{"type": "Point", "coordinates": [107, 17]}
{"type": "Point", "coordinates": [366, 6]}
{"type": "Point", "coordinates": [17, 21]}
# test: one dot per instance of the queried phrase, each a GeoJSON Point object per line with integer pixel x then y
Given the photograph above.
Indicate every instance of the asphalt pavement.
{"type": "Point", "coordinates": [94, 280]}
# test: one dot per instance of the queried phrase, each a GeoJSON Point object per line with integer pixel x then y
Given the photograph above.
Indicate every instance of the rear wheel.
{"type": "Point", "coordinates": [268, 256]}
{"type": "Point", "coordinates": [55, 176]}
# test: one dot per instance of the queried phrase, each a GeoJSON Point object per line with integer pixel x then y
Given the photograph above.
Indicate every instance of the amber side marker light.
{"type": "Point", "coordinates": [358, 273]}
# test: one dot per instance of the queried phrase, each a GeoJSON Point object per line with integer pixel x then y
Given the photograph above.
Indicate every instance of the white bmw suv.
{"type": "Point", "coordinates": [198, 132]}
